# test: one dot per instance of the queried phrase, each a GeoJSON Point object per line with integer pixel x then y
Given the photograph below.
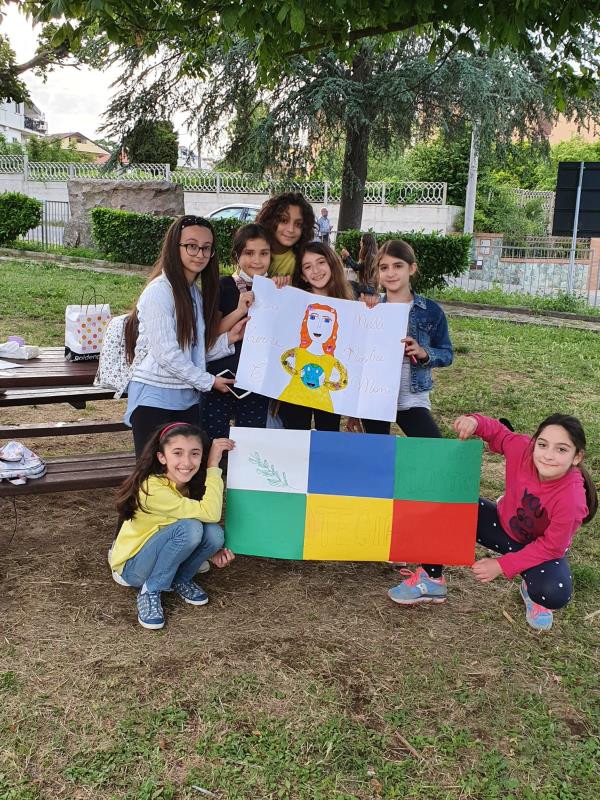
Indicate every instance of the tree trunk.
{"type": "Point", "coordinates": [356, 150]}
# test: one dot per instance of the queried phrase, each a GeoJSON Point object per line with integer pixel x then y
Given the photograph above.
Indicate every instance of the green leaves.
{"type": "Point", "coordinates": [297, 19]}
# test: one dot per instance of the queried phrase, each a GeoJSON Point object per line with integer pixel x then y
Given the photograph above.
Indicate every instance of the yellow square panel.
{"type": "Point", "coordinates": [347, 528]}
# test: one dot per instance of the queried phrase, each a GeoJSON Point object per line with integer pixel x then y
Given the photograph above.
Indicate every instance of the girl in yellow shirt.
{"type": "Point", "coordinates": [170, 507]}
{"type": "Point", "coordinates": [289, 221]}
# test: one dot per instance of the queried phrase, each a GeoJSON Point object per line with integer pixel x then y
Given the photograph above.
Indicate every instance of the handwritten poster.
{"type": "Point", "coordinates": [352, 497]}
{"type": "Point", "coordinates": [335, 355]}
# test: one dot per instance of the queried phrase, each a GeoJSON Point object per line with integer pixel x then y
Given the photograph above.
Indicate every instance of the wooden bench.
{"type": "Point", "coordinates": [76, 396]}
{"type": "Point", "coordinates": [70, 473]}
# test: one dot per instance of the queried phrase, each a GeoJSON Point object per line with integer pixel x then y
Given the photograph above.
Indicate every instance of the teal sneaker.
{"type": "Point", "coordinates": [419, 588]}
{"type": "Point", "coordinates": [190, 592]}
{"type": "Point", "coordinates": [150, 612]}
{"type": "Point", "coordinates": [538, 617]}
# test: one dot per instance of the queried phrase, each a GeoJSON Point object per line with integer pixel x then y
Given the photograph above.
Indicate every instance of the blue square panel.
{"type": "Point", "coordinates": [352, 464]}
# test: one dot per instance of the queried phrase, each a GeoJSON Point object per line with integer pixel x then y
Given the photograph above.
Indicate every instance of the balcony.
{"type": "Point", "coordinates": [36, 125]}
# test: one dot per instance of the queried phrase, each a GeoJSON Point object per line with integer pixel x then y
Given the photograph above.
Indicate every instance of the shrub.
{"type": "Point", "coordinates": [136, 238]}
{"type": "Point", "coordinates": [18, 214]}
{"type": "Point", "coordinates": [437, 255]}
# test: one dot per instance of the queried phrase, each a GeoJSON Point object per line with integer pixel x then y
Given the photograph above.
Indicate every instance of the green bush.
{"type": "Point", "coordinates": [18, 214]}
{"type": "Point", "coordinates": [136, 238]}
{"type": "Point", "coordinates": [437, 255]}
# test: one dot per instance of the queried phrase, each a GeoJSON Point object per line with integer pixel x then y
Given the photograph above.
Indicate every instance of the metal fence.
{"type": "Point", "coordinates": [536, 266]}
{"type": "Point", "coordinates": [432, 193]}
{"type": "Point", "coordinates": [50, 232]}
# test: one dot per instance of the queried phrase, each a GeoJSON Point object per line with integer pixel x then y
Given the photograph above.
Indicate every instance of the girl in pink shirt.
{"type": "Point", "coordinates": [549, 494]}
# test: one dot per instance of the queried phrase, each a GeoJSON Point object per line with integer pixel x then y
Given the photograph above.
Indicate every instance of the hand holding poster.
{"type": "Point", "coordinates": [321, 352]}
{"type": "Point", "coordinates": [352, 497]}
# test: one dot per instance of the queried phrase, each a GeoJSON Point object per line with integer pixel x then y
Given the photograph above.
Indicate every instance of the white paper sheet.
{"type": "Point", "coordinates": [366, 344]}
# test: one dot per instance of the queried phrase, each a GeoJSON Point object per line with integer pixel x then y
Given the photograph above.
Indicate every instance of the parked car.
{"type": "Point", "coordinates": [243, 213]}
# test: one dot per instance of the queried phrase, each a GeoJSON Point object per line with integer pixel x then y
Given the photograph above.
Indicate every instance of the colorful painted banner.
{"type": "Point", "coordinates": [335, 355]}
{"type": "Point", "coordinates": [352, 497]}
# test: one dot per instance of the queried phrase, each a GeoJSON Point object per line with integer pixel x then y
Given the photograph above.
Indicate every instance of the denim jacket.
{"type": "Point", "coordinates": [428, 326]}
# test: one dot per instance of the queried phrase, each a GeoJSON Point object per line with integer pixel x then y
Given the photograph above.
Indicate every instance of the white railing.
{"type": "Point", "coordinates": [391, 193]}
{"type": "Point", "coordinates": [11, 164]}
{"type": "Point", "coordinates": [523, 196]}
{"type": "Point", "coordinates": [376, 192]}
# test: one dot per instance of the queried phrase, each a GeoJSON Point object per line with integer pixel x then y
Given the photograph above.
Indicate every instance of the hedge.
{"type": "Point", "coordinates": [136, 238]}
{"type": "Point", "coordinates": [18, 215]}
{"type": "Point", "coordinates": [437, 255]}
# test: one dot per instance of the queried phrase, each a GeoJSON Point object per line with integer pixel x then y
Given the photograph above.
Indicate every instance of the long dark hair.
{"type": "Point", "coordinates": [338, 285]}
{"type": "Point", "coordinates": [245, 234]}
{"type": "Point", "coordinates": [169, 262]}
{"type": "Point", "coordinates": [366, 257]}
{"type": "Point", "coordinates": [576, 434]}
{"type": "Point", "coordinates": [274, 209]}
{"type": "Point", "coordinates": [129, 494]}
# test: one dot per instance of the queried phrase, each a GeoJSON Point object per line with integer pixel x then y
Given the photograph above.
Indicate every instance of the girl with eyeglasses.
{"type": "Point", "coordinates": [173, 332]}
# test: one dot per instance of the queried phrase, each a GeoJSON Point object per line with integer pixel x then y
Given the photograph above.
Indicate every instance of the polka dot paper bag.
{"type": "Point", "coordinates": [84, 329]}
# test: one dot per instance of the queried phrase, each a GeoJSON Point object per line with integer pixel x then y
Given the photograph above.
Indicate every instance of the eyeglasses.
{"type": "Point", "coordinates": [192, 249]}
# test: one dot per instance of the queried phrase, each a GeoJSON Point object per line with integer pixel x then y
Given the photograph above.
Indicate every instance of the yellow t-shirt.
{"type": "Point", "coordinates": [282, 263]}
{"type": "Point", "coordinates": [316, 396]}
{"type": "Point", "coordinates": [164, 505]}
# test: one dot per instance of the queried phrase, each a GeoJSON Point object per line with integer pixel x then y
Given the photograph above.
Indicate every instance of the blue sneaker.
{"type": "Point", "coordinates": [538, 617]}
{"type": "Point", "coordinates": [150, 613]}
{"type": "Point", "coordinates": [419, 588]}
{"type": "Point", "coordinates": [190, 592]}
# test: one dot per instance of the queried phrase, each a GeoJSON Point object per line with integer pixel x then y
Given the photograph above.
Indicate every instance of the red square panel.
{"type": "Point", "coordinates": [433, 533]}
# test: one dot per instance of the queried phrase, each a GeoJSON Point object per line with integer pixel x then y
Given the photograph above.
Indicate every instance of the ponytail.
{"type": "Point", "coordinates": [591, 494]}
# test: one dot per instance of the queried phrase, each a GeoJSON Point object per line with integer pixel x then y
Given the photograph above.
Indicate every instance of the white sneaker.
{"type": "Point", "coordinates": [204, 567]}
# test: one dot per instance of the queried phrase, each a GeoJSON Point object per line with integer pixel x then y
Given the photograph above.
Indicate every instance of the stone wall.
{"type": "Point", "coordinates": [148, 197]}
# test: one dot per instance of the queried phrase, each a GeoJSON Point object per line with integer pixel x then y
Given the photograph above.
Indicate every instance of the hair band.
{"type": "Point", "coordinates": [168, 428]}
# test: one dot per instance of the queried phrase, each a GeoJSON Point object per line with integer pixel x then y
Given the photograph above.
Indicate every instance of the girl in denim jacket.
{"type": "Point", "coordinates": [426, 345]}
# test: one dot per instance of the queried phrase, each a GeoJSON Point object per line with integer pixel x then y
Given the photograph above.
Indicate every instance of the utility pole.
{"type": "Point", "coordinates": [199, 142]}
{"type": "Point", "coordinates": [472, 182]}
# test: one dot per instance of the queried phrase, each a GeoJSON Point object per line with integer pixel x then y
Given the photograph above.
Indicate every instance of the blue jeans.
{"type": "Point", "coordinates": [174, 552]}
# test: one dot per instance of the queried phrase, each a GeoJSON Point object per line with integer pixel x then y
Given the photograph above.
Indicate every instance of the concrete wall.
{"type": "Point", "coordinates": [379, 217]}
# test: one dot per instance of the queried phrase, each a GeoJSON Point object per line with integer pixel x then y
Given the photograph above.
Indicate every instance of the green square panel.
{"type": "Point", "coordinates": [437, 470]}
{"type": "Point", "coordinates": [267, 524]}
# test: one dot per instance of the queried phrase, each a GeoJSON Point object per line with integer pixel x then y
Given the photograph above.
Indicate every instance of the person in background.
{"type": "Point", "coordinates": [325, 226]}
{"type": "Point", "coordinates": [362, 273]}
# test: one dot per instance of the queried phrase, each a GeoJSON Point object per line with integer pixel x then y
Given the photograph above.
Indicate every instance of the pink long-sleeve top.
{"type": "Point", "coordinates": [542, 515]}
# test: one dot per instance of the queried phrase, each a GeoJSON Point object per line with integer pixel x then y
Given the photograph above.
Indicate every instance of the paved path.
{"type": "Point", "coordinates": [524, 318]}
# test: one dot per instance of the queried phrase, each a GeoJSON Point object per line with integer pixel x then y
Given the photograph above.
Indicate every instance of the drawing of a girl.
{"type": "Point", "coordinates": [314, 369]}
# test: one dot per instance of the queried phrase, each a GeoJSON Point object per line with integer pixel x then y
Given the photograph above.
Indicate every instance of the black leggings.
{"type": "Point", "coordinates": [549, 584]}
{"type": "Point", "coordinates": [146, 419]}
{"type": "Point", "coordinates": [299, 418]}
{"type": "Point", "coordinates": [412, 422]}
{"type": "Point", "coordinates": [219, 409]}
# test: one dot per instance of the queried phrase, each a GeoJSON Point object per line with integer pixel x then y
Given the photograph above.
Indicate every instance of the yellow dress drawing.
{"type": "Point", "coordinates": [314, 369]}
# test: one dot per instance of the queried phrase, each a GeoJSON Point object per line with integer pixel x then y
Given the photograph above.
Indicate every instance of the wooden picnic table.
{"type": "Point", "coordinates": [50, 369]}
{"type": "Point", "coordinates": [50, 378]}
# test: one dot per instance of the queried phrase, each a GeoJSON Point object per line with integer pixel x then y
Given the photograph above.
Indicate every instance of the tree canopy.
{"type": "Point", "coordinates": [278, 29]}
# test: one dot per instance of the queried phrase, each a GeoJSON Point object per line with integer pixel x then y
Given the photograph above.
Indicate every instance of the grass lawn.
{"type": "Point", "coordinates": [299, 680]}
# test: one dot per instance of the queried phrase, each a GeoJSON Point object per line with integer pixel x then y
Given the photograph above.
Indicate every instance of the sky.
{"type": "Point", "coordinates": [71, 99]}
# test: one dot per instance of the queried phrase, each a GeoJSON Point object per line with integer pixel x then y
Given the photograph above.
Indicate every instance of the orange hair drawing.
{"type": "Point", "coordinates": [305, 340]}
